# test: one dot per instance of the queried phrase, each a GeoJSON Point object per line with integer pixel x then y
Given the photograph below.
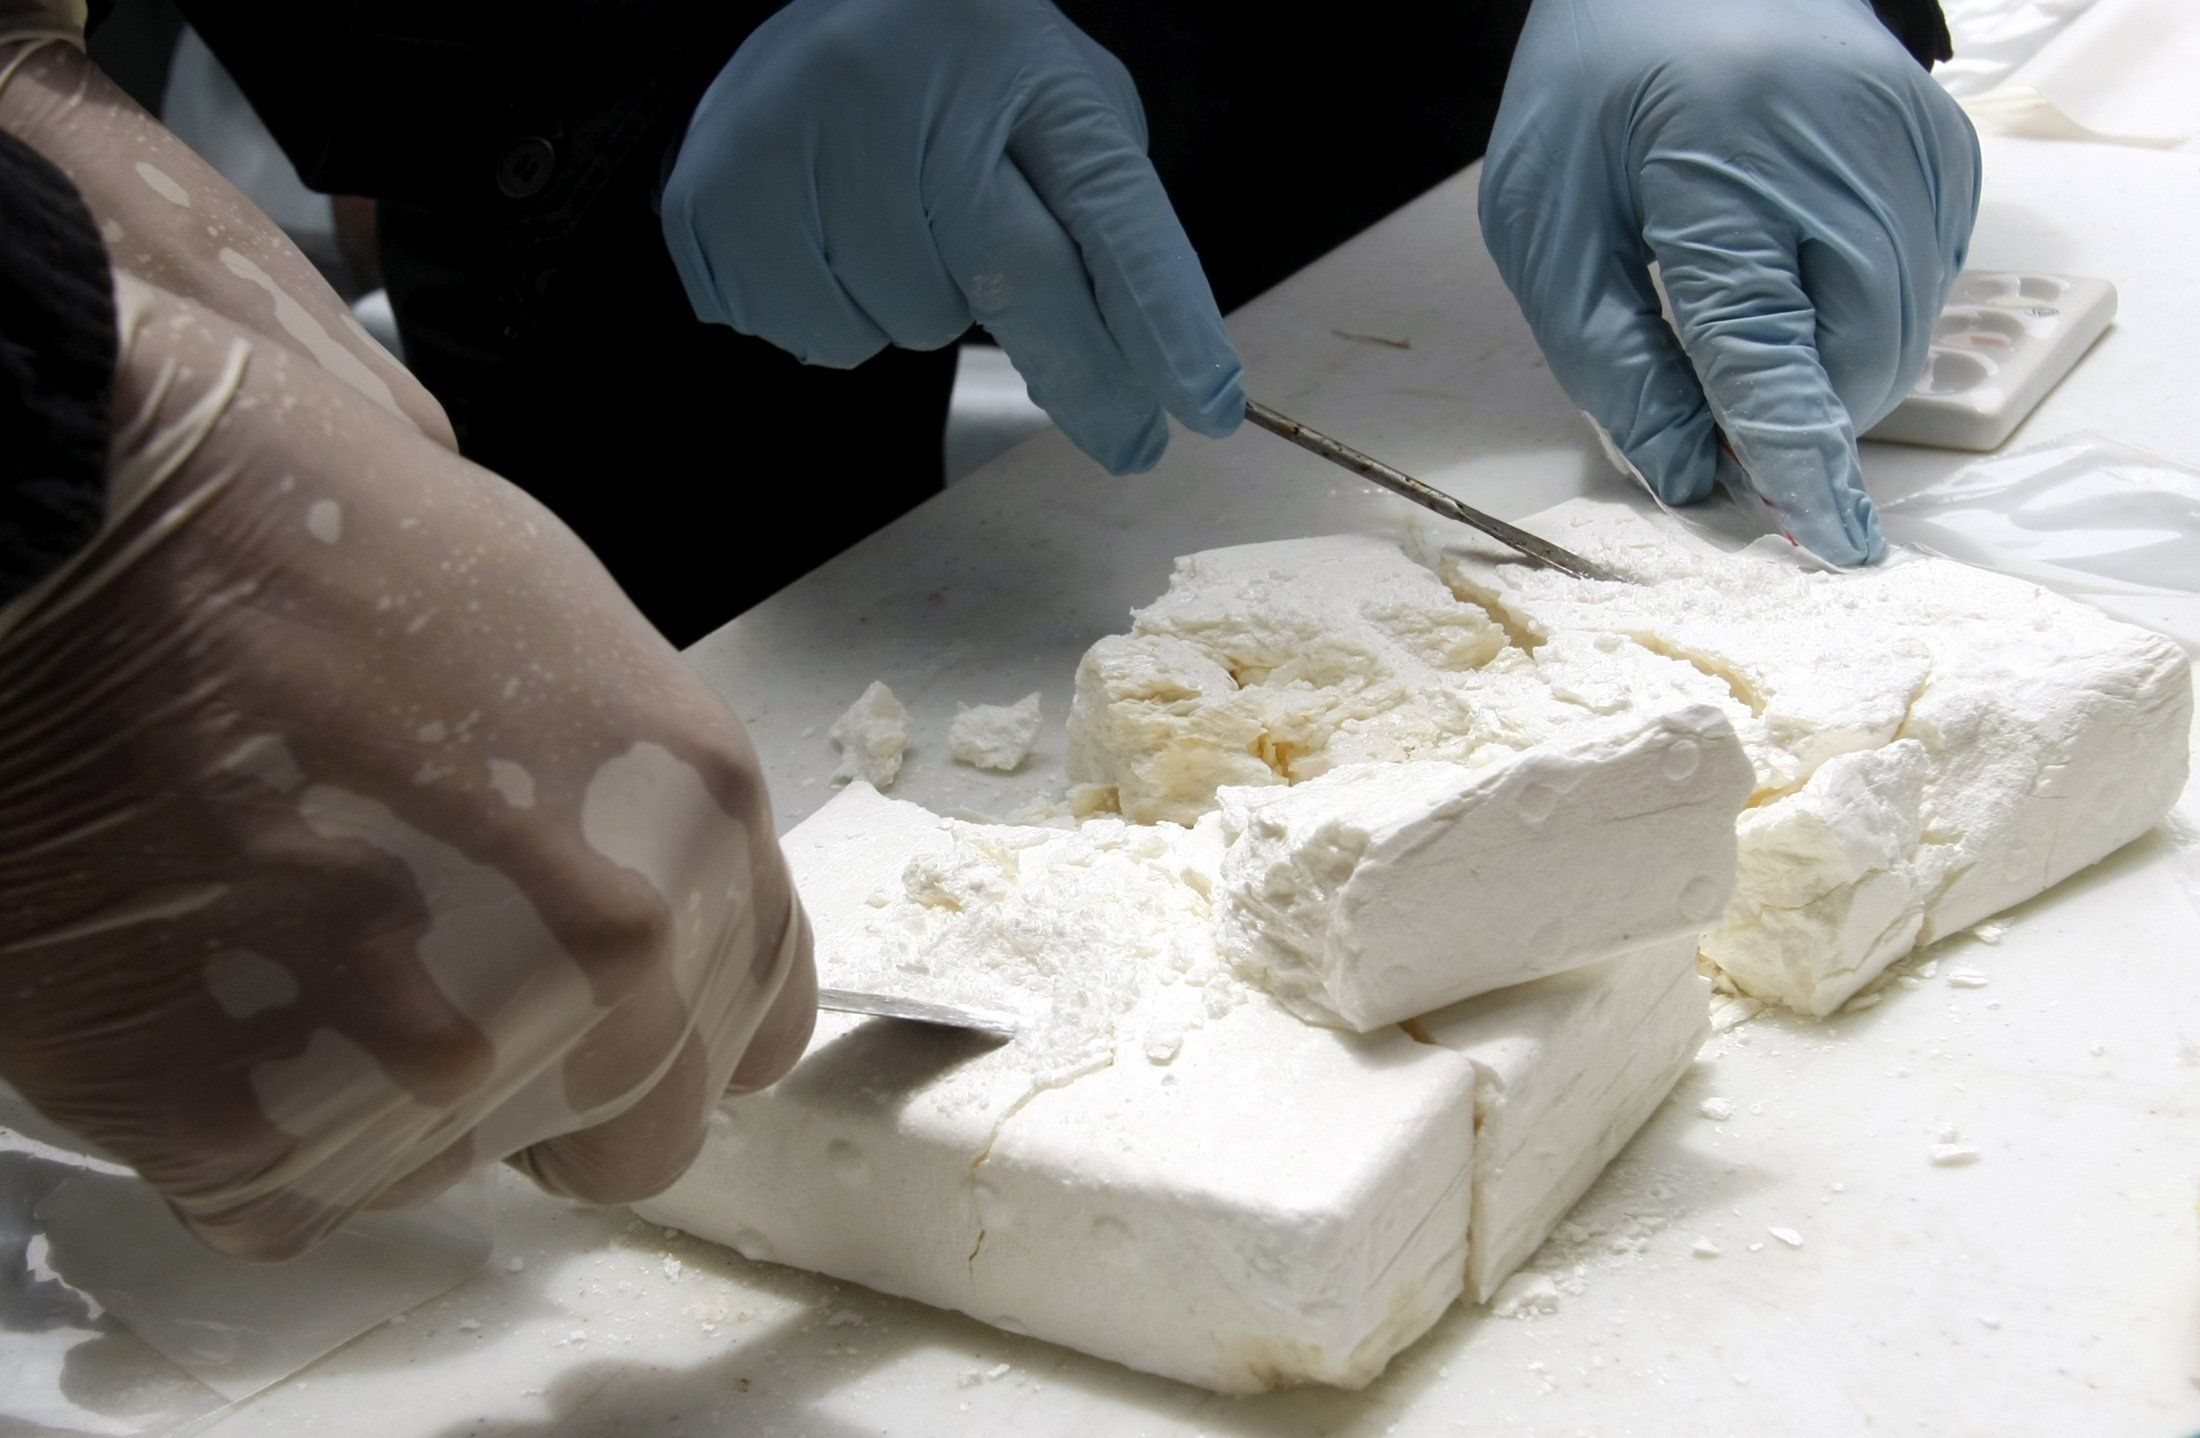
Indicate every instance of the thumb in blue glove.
{"type": "Point", "coordinates": [874, 172]}
{"type": "Point", "coordinates": [1807, 192]}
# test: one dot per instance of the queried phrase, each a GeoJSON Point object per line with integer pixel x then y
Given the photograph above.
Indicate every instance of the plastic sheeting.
{"type": "Point", "coordinates": [113, 1320]}
{"type": "Point", "coordinates": [2086, 516]}
{"type": "Point", "coordinates": [2116, 70]}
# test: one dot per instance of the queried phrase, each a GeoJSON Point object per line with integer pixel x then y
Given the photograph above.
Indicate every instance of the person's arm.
{"type": "Point", "coordinates": [354, 828]}
{"type": "Point", "coordinates": [1807, 193]}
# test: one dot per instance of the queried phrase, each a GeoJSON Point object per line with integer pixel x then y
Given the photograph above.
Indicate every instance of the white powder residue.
{"type": "Point", "coordinates": [298, 322]}
{"type": "Point", "coordinates": [872, 736]}
{"type": "Point", "coordinates": [161, 183]}
{"type": "Point", "coordinates": [512, 783]}
{"type": "Point", "coordinates": [1069, 930]}
{"type": "Point", "coordinates": [994, 736]}
{"type": "Point", "coordinates": [325, 520]}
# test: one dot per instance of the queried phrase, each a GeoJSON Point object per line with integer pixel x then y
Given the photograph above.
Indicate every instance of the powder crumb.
{"type": "Point", "coordinates": [1718, 1110]}
{"type": "Point", "coordinates": [1705, 1248]}
{"type": "Point", "coordinates": [2096, 1049]}
{"type": "Point", "coordinates": [1787, 1236]}
{"type": "Point", "coordinates": [994, 736]}
{"type": "Point", "coordinates": [1727, 1010]}
{"type": "Point", "coordinates": [1989, 1320]}
{"type": "Point", "coordinates": [1989, 933]}
{"type": "Point", "coordinates": [672, 1266]}
{"type": "Point", "coordinates": [470, 1325]}
{"type": "Point", "coordinates": [1525, 1295]}
{"type": "Point", "coordinates": [1911, 982]}
{"type": "Point", "coordinates": [1862, 1002]}
{"type": "Point", "coordinates": [1951, 1155]}
{"type": "Point", "coordinates": [1966, 978]}
{"type": "Point", "coordinates": [872, 736]}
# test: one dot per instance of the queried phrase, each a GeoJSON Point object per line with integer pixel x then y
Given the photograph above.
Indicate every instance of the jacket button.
{"type": "Point", "coordinates": [526, 167]}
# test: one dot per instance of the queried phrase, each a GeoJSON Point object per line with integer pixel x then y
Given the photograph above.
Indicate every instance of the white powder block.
{"type": "Point", "coordinates": [1567, 1067]}
{"type": "Point", "coordinates": [1114, 1179]}
{"type": "Point", "coordinates": [1277, 662]}
{"type": "Point", "coordinates": [1379, 891]}
{"type": "Point", "coordinates": [872, 736]}
{"type": "Point", "coordinates": [1155, 730]}
{"type": "Point", "coordinates": [1164, 1218]}
{"type": "Point", "coordinates": [994, 736]}
{"type": "Point", "coordinates": [1998, 737]}
{"type": "Point", "coordinates": [1931, 743]}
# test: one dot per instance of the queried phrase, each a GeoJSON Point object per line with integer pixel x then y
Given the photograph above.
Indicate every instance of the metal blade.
{"type": "Point", "coordinates": [886, 1006]}
{"type": "Point", "coordinates": [1398, 482]}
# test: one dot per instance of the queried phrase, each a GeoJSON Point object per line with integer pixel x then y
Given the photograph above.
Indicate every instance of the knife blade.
{"type": "Point", "coordinates": [888, 1006]}
{"type": "Point", "coordinates": [1398, 482]}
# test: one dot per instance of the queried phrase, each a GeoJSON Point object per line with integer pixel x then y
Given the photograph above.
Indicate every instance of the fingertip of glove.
{"type": "Point", "coordinates": [1137, 453]}
{"type": "Point", "coordinates": [1219, 417]}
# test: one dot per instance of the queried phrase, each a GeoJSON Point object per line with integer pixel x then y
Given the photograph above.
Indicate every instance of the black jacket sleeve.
{"type": "Point", "coordinates": [518, 114]}
{"type": "Point", "coordinates": [57, 369]}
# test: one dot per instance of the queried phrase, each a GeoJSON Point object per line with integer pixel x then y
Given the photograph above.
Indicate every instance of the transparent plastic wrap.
{"type": "Point", "coordinates": [114, 1320]}
{"type": "Point", "coordinates": [2114, 71]}
{"type": "Point", "coordinates": [2084, 516]}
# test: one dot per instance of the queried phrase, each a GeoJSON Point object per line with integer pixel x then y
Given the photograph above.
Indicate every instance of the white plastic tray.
{"type": "Point", "coordinates": [2002, 343]}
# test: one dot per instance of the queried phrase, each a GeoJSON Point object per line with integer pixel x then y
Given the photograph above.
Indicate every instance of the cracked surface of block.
{"type": "Point", "coordinates": [1117, 1178]}
{"type": "Point", "coordinates": [1930, 743]}
{"type": "Point", "coordinates": [1566, 1069]}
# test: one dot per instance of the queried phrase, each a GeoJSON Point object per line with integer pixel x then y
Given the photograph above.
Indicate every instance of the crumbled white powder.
{"type": "Point", "coordinates": [872, 736]}
{"type": "Point", "coordinates": [1068, 930]}
{"type": "Point", "coordinates": [1705, 1248]}
{"type": "Point", "coordinates": [1526, 1294]}
{"type": "Point", "coordinates": [1718, 1110]}
{"type": "Point", "coordinates": [994, 736]}
{"type": "Point", "coordinates": [1966, 978]}
{"type": "Point", "coordinates": [1922, 733]}
{"type": "Point", "coordinates": [1727, 1010]}
{"type": "Point", "coordinates": [1787, 1236]}
{"type": "Point", "coordinates": [1951, 1155]}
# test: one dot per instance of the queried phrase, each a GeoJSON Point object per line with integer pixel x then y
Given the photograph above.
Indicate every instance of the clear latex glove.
{"type": "Point", "coordinates": [874, 172]}
{"type": "Point", "coordinates": [1805, 188]}
{"type": "Point", "coordinates": [354, 828]}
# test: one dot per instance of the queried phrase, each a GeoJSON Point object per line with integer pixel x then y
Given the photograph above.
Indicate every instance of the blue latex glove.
{"type": "Point", "coordinates": [874, 172]}
{"type": "Point", "coordinates": [1807, 191]}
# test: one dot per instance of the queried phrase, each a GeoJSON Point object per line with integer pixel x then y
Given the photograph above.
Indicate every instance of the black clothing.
{"type": "Point", "coordinates": [57, 369]}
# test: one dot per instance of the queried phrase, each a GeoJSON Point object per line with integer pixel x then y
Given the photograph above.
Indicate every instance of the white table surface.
{"type": "Point", "coordinates": [2051, 1288]}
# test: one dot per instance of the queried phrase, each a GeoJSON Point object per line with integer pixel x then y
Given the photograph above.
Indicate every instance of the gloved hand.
{"type": "Point", "coordinates": [354, 828]}
{"type": "Point", "coordinates": [1807, 191]}
{"type": "Point", "coordinates": [874, 172]}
